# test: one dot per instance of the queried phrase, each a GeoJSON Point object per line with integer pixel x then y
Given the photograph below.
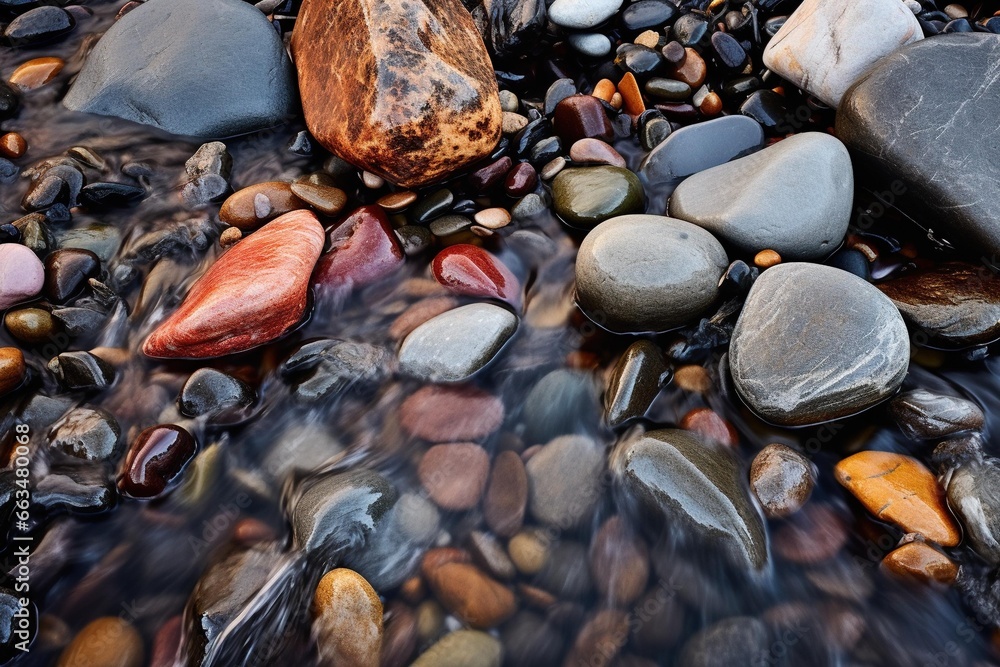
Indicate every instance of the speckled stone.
{"type": "Point", "coordinates": [815, 343]}
{"type": "Point", "coordinates": [794, 197]}
{"type": "Point", "coordinates": [648, 273]}
{"type": "Point", "coordinates": [680, 477]}
{"type": "Point", "coordinates": [403, 89]}
{"type": "Point", "coordinates": [824, 47]}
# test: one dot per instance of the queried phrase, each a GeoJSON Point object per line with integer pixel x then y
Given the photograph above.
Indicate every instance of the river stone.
{"type": "Point", "coordinates": [974, 496]}
{"type": "Point", "coordinates": [582, 14]}
{"type": "Point", "coordinates": [924, 415]}
{"type": "Point", "coordinates": [954, 302]}
{"type": "Point", "coordinates": [207, 68]}
{"type": "Point", "coordinates": [675, 474]}
{"type": "Point", "coordinates": [738, 641]}
{"type": "Point", "coordinates": [815, 343]}
{"type": "Point", "coordinates": [825, 46]}
{"type": "Point", "coordinates": [793, 197]}
{"type": "Point", "coordinates": [635, 381]}
{"type": "Point", "coordinates": [920, 114]}
{"type": "Point", "coordinates": [454, 345]}
{"type": "Point", "coordinates": [564, 481]}
{"type": "Point", "coordinates": [586, 196]}
{"type": "Point", "coordinates": [22, 275]}
{"type": "Point", "coordinates": [648, 273]}
{"type": "Point", "coordinates": [400, 88]}
{"type": "Point", "coordinates": [87, 433]}
{"type": "Point", "coordinates": [462, 648]}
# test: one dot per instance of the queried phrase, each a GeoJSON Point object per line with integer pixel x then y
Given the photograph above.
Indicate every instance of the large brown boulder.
{"type": "Point", "coordinates": [402, 88]}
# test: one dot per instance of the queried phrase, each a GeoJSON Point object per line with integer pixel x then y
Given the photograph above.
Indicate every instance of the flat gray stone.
{"type": "Point", "coordinates": [793, 197]}
{"type": "Point", "coordinates": [815, 343]}
{"type": "Point", "coordinates": [204, 68]}
{"type": "Point", "coordinates": [454, 345]}
{"type": "Point", "coordinates": [678, 475]}
{"type": "Point", "coordinates": [640, 273]}
{"type": "Point", "coordinates": [921, 120]}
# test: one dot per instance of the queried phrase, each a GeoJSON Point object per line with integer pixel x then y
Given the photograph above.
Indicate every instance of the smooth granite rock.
{"type": "Point", "coordinates": [919, 120]}
{"type": "Point", "coordinates": [206, 68]}
{"type": "Point", "coordinates": [815, 343]}
{"type": "Point", "coordinates": [677, 476]}
{"type": "Point", "coordinates": [640, 273]}
{"type": "Point", "coordinates": [793, 197]}
{"type": "Point", "coordinates": [924, 415]}
{"type": "Point", "coordinates": [454, 345]}
{"type": "Point", "coordinates": [953, 303]}
{"type": "Point", "coordinates": [564, 481]}
{"type": "Point", "coordinates": [974, 495]}
{"type": "Point", "coordinates": [825, 46]}
{"type": "Point", "coordinates": [401, 88]}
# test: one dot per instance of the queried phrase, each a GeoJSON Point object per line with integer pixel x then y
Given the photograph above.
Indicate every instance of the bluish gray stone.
{"type": "Point", "coordinates": [793, 197]}
{"type": "Point", "coordinates": [204, 68]}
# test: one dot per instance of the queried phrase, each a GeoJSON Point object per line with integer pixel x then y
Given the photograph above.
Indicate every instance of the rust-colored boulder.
{"type": "Point", "coordinates": [401, 88]}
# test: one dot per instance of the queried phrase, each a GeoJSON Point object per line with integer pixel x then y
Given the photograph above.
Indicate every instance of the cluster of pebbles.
{"type": "Point", "coordinates": [500, 332]}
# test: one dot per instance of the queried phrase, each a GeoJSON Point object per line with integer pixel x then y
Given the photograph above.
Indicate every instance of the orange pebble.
{"type": "Point", "coordinates": [604, 90]}
{"type": "Point", "coordinates": [708, 423]}
{"type": "Point", "coordinates": [765, 259]}
{"type": "Point", "coordinates": [36, 73]}
{"type": "Point", "coordinates": [631, 96]}
{"type": "Point", "coordinates": [13, 145]}
{"type": "Point", "coordinates": [616, 100]}
{"type": "Point", "coordinates": [711, 105]}
{"type": "Point", "coordinates": [692, 69]}
{"type": "Point", "coordinates": [919, 560]}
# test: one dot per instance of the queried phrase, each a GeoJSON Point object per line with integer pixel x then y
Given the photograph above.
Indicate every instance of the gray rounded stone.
{"type": "Point", "coordinates": [924, 415]}
{"type": "Point", "coordinates": [648, 273]}
{"type": "Point", "coordinates": [564, 481]}
{"type": "Point", "coordinates": [582, 14]}
{"type": "Point", "coordinates": [793, 197]}
{"type": "Point", "coordinates": [591, 44]}
{"type": "Point", "coordinates": [204, 68]}
{"type": "Point", "coordinates": [454, 345]}
{"type": "Point", "coordinates": [815, 343]}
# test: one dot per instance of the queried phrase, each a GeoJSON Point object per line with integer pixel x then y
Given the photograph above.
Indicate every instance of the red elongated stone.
{"type": "Point", "coordinates": [364, 250]}
{"type": "Point", "coordinates": [253, 294]}
{"type": "Point", "coordinates": [470, 270]}
{"type": "Point", "coordinates": [155, 458]}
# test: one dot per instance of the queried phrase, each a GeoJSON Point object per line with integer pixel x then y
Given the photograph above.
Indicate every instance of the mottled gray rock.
{"type": "Point", "coordinates": [564, 481]}
{"type": "Point", "coordinates": [677, 475]}
{"type": "Point", "coordinates": [924, 415]}
{"type": "Point", "coordinates": [923, 112]}
{"type": "Point", "coordinates": [815, 343]}
{"type": "Point", "coordinates": [824, 46]}
{"type": "Point", "coordinates": [87, 433]}
{"type": "Point", "coordinates": [974, 496]}
{"type": "Point", "coordinates": [648, 273]}
{"type": "Point", "coordinates": [635, 381]}
{"type": "Point", "coordinates": [793, 197]}
{"type": "Point", "coordinates": [206, 68]}
{"type": "Point", "coordinates": [462, 648]}
{"type": "Point", "coordinates": [739, 641]}
{"type": "Point", "coordinates": [454, 345]}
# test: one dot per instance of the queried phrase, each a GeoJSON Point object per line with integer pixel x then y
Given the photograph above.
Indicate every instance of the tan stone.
{"type": "Point", "coordinates": [348, 620]}
{"type": "Point", "coordinates": [921, 561]}
{"type": "Point", "coordinates": [104, 642]}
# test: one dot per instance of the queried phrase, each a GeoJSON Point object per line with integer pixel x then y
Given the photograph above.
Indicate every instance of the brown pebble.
{"type": "Point", "coordinates": [420, 312]}
{"type": "Point", "coordinates": [604, 90]}
{"type": "Point", "coordinates": [252, 531]}
{"type": "Point", "coordinates": [399, 636]}
{"type": "Point", "coordinates": [230, 236]}
{"type": "Point", "coordinates": [394, 202]}
{"type": "Point", "coordinates": [536, 597]}
{"type": "Point", "coordinates": [13, 145]}
{"type": "Point", "coordinates": [692, 69]}
{"type": "Point", "coordinates": [506, 495]}
{"type": "Point", "coordinates": [454, 475]}
{"type": "Point", "coordinates": [580, 116]}
{"type": "Point", "coordinates": [782, 479]}
{"type": "Point", "coordinates": [813, 535]}
{"type": "Point", "coordinates": [512, 123]}
{"type": "Point", "coordinates": [631, 95]}
{"type": "Point", "coordinates": [693, 378]}
{"type": "Point", "coordinates": [619, 562]}
{"type": "Point", "coordinates": [36, 73]}
{"type": "Point", "coordinates": [347, 621]}
{"type": "Point", "coordinates": [12, 369]}
{"type": "Point", "coordinates": [446, 413]}
{"type": "Point", "coordinates": [413, 590]}
{"type": "Point", "coordinates": [617, 101]}
{"type": "Point", "coordinates": [30, 325]}
{"type": "Point", "coordinates": [521, 180]}
{"type": "Point", "coordinates": [552, 168]}
{"type": "Point", "coordinates": [493, 218]}
{"type": "Point", "coordinates": [254, 205]}
{"type": "Point", "coordinates": [529, 551]}
{"type": "Point", "coordinates": [472, 596]}
{"type": "Point", "coordinates": [104, 642]}
{"type": "Point", "coordinates": [595, 151]}
{"type": "Point", "coordinates": [600, 640]}
{"type": "Point", "coordinates": [765, 259]}
{"type": "Point", "coordinates": [711, 105]}
{"type": "Point", "coordinates": [326, 199]}
{"type": "Point", "coordinates": [921, 561]}
{"type": "Point", "coordinates": [708, 423]}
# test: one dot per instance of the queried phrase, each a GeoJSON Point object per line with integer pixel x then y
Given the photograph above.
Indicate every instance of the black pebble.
{"type": "Point", "coordinates": [767, 108]}
{"type": "Point", "coordinates": [110, 195]}
{"type": "Point", "coordinates": [38, 26]}
{"type": "Point", "coordinates": [729, 51]}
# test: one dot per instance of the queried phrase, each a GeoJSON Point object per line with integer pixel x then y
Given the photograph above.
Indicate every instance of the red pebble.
{"type": "Point", "coordinates": [470, 270]}
{"type": "Point", "coordinates": [155, 458]}
{"type": "Point", "coordinates": [364, 250]}
{"type": "Point", "coordinates": [709, 424]}
{"type": "Point", "coordinates": [521, 180]}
